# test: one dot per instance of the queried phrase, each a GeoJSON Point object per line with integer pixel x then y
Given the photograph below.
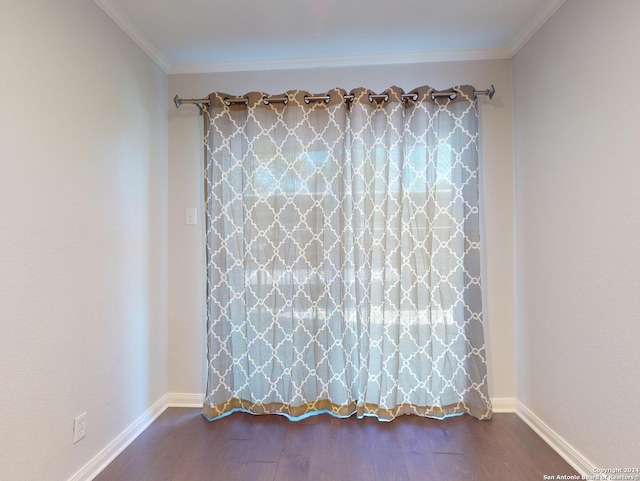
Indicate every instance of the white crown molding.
{"type": "Point", "coordinates": [125, 23]}
{"type": "Point", "coordinates": [536, 24]}
{"type": "Point", "coordinates": [128, 27]}
{"type": "Point", "coordinates": [553, 439]}
{"type": "Point", "coordinates": [124, 439]}
{"type": "Point", "coordinates": [341, 61]}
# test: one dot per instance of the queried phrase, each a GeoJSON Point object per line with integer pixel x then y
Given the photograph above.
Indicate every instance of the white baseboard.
{"type": "Point", "coordinates": [553, 439]}
{"type": "Point", "coordinates": [185, 400]}
{"type": "Point", "coordinates": [115, 447]}
{"type": "Point", "coordinates": [503, 404]}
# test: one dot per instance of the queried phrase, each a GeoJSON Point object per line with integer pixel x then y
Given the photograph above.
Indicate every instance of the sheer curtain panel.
{"type": "Point", "coordinates": [343, 261]}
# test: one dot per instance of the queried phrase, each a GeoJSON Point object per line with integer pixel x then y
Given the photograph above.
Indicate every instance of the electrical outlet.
{"type": "Point", "coordinates": [79, 427]}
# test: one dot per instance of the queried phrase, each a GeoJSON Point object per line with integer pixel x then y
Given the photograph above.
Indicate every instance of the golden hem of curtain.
{"type": "Point", "coordinates": [360, 410]}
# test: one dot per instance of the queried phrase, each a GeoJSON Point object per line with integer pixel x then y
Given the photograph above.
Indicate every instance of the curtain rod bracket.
{"type": "Point", "coordinates": [489, 92]}
{"type": "Point", "coordinates": [197, 102]}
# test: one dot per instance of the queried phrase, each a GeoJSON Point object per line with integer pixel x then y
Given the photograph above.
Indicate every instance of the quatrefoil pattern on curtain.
{"type": "Point", "coordinates": [343, 266]}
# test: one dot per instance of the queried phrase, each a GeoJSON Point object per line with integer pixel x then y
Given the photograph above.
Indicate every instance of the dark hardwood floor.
{"type": "Point", "coordinates": [181, 445]}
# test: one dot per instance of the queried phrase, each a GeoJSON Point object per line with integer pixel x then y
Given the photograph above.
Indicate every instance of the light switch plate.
{"type": "Point", "coordinates": [191, 216]}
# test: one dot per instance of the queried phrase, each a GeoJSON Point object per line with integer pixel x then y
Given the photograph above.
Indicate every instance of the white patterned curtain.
{"type": "Point", "coordinates": [343, 266]}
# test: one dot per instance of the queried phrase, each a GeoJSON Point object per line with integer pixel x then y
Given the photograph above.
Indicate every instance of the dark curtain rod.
{"type": "Point", "coordinates": [200, 102]}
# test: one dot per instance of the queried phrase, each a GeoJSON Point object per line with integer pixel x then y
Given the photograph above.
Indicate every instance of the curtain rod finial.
{"type": "Point", "coordinates": [178, 101]}
{"type": "Point", "coordinates": [491, 91]}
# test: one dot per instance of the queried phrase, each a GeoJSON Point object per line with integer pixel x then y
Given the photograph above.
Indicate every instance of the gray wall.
{"type": "Point", "coordinates": [578, 229]}
{"type": "Point", "coordinates": [83, 209]}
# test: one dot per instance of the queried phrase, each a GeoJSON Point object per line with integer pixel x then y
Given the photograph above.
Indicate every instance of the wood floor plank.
{"type": "Point", "coordinates": [388, 462]}
{"type": "Point", "coordinates": [356, 453]}
{"type": "Point", "coordinates": [296, 456]}
{"type": "Point", "coordinates": [325, 450]}
{"type": "Point", "coordinates": [258, 471]}
{"type": "Point", "coordinates": [455, 467]}
{"type": "Point", "coordinates": [417, 449]}
{"type": "Point", "coordinates": [181, 445]}
{"type": "Point", "coordinates": [273, 430]}
{"type": "Point", "coordinates": [244, 426]}
{"type": "Point", "coordinates": [508, 455]}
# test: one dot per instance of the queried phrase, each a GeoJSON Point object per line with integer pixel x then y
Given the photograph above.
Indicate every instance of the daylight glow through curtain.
{"type": "Point", "coordinates": [343, 262]}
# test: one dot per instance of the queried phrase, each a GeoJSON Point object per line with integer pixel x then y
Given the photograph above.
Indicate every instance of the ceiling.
{"type": "Point", "coordinates": [189, 36]}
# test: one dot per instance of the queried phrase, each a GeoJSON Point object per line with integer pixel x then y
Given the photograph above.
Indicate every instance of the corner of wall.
{"type": "Point", "coordinates": [569, 453]}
